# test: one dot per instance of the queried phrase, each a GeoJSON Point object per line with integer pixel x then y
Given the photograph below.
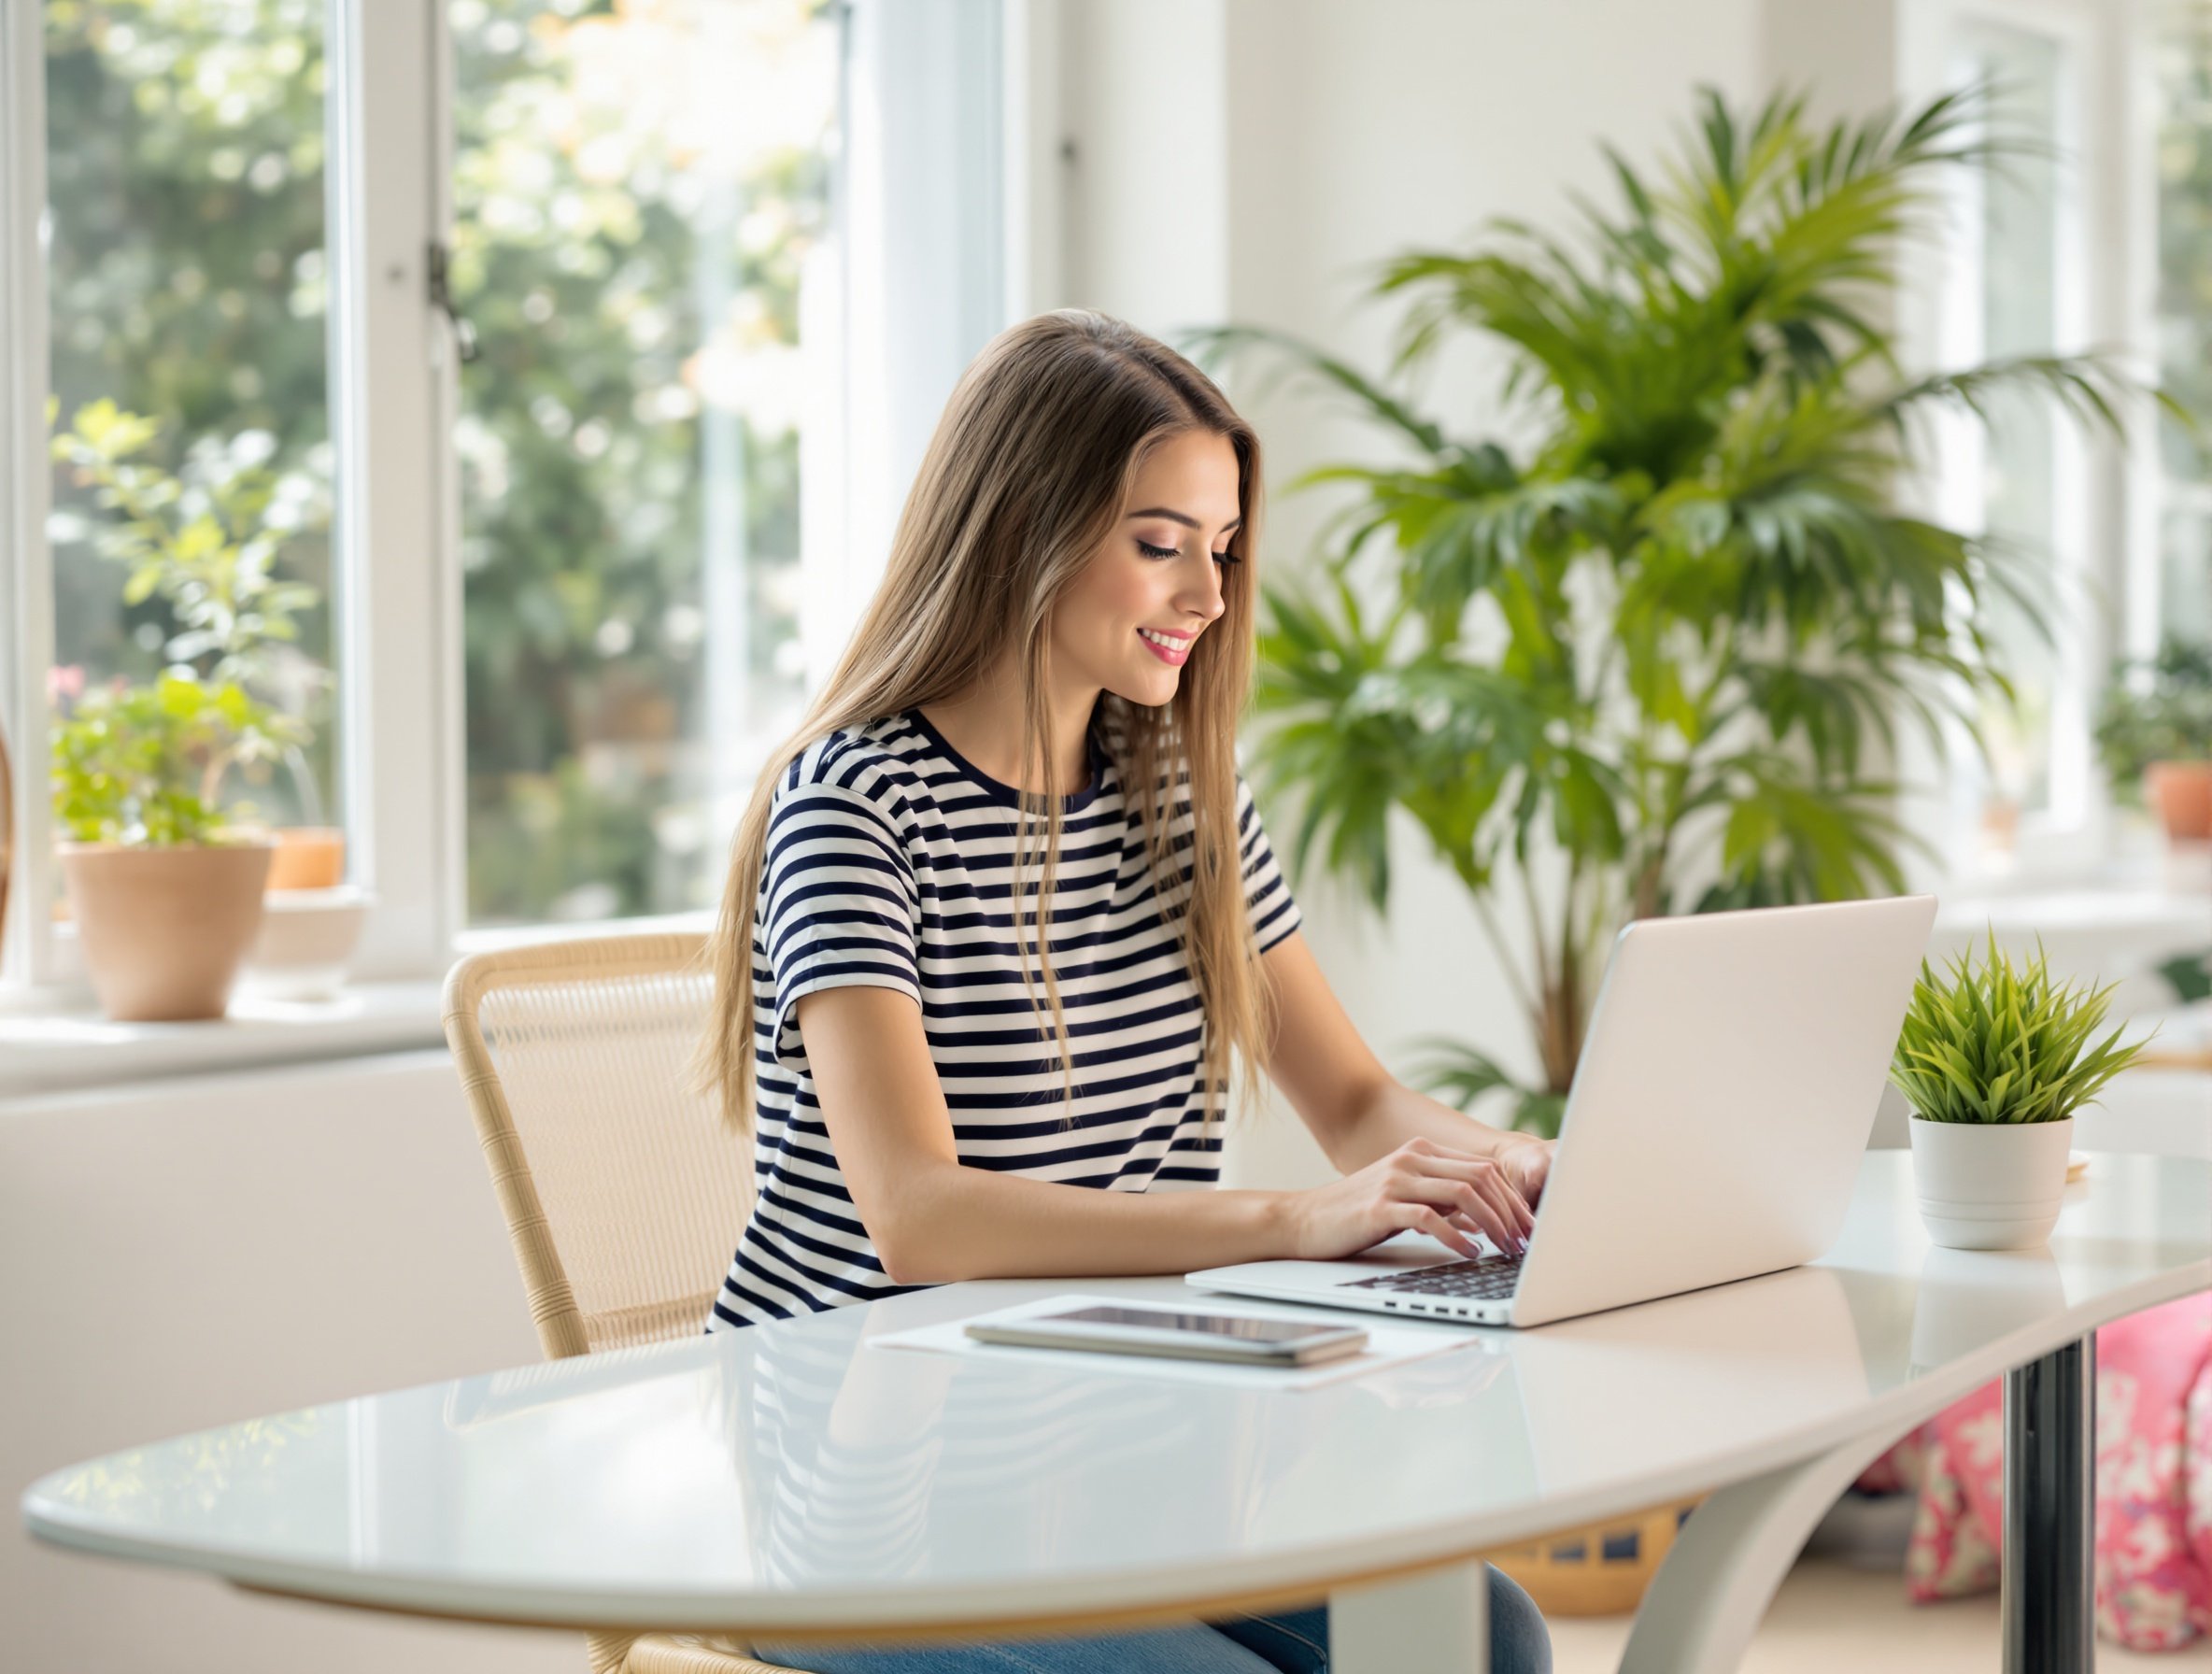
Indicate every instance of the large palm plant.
{"type": "Point", "coordinates": [1675, 636]}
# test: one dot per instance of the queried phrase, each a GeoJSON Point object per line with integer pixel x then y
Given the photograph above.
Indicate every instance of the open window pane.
{"type": "Point", "coordinates": [641, 193]}
{"type": "Point", "coordinates": [2013, 288]}
{"type": "Point", "coordinates": [191, 516]}
{"type": "Point", "coordinates": [2182, 586]}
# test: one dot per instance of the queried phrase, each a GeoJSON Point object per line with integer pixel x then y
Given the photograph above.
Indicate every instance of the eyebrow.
{"type": "Point", "coordinates": [1188, 522]}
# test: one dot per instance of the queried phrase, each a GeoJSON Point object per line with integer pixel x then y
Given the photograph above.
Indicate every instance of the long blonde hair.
{"type": "Point", "coordinates": [1024, 481]}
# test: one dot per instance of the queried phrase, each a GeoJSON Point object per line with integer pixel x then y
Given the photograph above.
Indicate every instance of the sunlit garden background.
{"type": "Point", "coordinates": [631, 229]}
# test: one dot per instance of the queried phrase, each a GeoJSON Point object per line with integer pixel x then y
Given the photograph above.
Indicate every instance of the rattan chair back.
{"type": "Point", "coordinates": [623, 1193]}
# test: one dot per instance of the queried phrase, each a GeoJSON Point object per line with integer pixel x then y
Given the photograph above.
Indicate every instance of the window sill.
{"type": "Point", "coordinates": [70, 1050]}
{"type": "Point", "coordinates": [2120, 918]}
{"type": "Point", "coordinates": [2142, 864]}
{"type": "Point", "coordinates": [2099, 930]}
{"type": "Point", "coordinates": [60, 1043]}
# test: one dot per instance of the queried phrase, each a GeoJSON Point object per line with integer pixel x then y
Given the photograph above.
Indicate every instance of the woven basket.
{"type": "Point", "coordinates": [1601, 1570]}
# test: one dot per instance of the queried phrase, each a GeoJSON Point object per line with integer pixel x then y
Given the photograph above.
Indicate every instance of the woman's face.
{"type": "Point", "coordinates": [1128, 620]}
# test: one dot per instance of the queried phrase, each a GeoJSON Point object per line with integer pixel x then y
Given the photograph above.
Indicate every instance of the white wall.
{"type": "Point", "coordinates": [1356, 132]}
{"type": "Point", "coordinates": [198, 1250]}
{"type": "Point", "coordinates": [1145, 218]}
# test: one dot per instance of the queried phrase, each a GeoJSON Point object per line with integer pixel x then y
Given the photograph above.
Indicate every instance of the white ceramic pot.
{"type": "Point", "coordinates": [307, 938]}
{"type": "Point", "coordinates": [1989, 1185]}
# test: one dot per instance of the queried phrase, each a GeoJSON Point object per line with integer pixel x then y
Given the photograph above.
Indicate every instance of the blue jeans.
{"type": "Point", "coordinates": [1296, 1643]}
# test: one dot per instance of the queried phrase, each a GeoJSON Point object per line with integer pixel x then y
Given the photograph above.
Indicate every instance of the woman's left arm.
{"type": "Point", "coordinates": [1356, 1109]}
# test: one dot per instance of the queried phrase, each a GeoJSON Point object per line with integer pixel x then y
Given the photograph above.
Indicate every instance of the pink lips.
{"type": "Point", "coordinates": [1172, 658]}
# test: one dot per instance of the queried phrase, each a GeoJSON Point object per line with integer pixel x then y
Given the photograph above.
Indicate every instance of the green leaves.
{"type": "Point", "coordinates": [1482, 758]}
{"type": "Point", "coordinates": [139, 763]}
{"type": "Point", "coordinates": [142, 763]}
{"type": "Point", "coordinates": [2161, 711]}
{"type": "Point", "coordinates": [2003, 1042]}
{"type": "Point", "coordinates": [203, 544]}
{"type": "Point", "coordinates": [1805, 841]}
{"type": "Point", "coordinates": [1682, 632]}
{"type": "Point", "coordinates": [1464, 1075]}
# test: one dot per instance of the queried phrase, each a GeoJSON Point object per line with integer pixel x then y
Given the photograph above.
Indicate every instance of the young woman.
{"type": "Point", "coordinates": [1001, 916]}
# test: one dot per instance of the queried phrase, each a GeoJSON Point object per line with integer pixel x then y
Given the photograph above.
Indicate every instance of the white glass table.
{"type": "Point", "coordinates": [795, 1482]}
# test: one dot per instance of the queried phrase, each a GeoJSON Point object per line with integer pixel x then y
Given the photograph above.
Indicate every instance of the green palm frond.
{"type": "Point", "coordinates": [1686, 626]}
{"type": "Point", "coordinates": [1467, 1076]}
{"type": "Point", "coordinates": [2089, 388]}
{"type": "Point", "coordinates": [1809, 839]}
{"type": "Point", "coordinates": [1209, 346]}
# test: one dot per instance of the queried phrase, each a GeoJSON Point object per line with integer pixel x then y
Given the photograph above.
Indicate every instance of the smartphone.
{"type": "Point", "coordinates": [1233, 1336]}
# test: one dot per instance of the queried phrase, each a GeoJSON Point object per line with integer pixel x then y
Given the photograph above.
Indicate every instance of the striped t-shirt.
{"type": "Point", "coordinates": [889, 863]}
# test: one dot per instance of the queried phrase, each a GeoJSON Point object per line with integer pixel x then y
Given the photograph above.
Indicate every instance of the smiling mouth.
{"type": "Point", "coordinates": [1167, 648]}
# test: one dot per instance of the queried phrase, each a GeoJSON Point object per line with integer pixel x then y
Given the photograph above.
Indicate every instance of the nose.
{"type": "Point", "coordinates": [1202, 598]}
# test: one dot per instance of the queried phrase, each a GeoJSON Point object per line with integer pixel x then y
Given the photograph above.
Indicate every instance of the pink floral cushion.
{"type": "Point", "coordinates": [2154, 1482]}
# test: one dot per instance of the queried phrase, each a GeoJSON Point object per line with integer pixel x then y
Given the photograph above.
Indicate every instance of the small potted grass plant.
{"type": "Point", "coordinates": [1994, 1062]}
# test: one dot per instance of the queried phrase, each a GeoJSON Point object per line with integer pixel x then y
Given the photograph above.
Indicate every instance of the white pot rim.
{"type": "Point", "coordinates": [1997, 1126]}
{"type": "Point", "coordinates": [336, 897]}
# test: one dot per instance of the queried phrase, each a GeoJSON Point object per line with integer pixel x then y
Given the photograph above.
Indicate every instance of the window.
{"type": "Point", "coordinates": [187, 278]}
{"type": "Point", "coordinates": [721, 262]}
{"type": "Point", "coordinates": [641, 203]}
{"type": "Point", "coordinates": [2176, 589]}
{"type": "Point", "coordinates": [2098, 238]}
{"type": "Point", "coordinates": [2017, 285]}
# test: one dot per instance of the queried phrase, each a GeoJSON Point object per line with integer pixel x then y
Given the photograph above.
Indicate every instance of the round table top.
{"type": "Point", "coordinates": [798, 1478]}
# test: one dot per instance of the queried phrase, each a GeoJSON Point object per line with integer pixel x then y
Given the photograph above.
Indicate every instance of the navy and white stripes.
{"type": "Point", "coordinates": [889, 863]}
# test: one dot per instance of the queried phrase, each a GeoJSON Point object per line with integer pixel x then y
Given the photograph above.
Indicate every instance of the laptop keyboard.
{"type": "Point", "coordinates": [1490, 1279]}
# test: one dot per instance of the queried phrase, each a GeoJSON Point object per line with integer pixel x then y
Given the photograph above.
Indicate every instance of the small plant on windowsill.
{"type": "Point", "coordinates": [1994, 1062]}
{"type": "Point", "coordinates": [206, 542]}
{"type": "Point", "coordinates": [2155, 734]}
{"type": "Point", "coordinates": [164, 885]}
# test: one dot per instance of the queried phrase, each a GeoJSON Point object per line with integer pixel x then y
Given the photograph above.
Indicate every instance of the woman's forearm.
{"type": "Point", "coordinates": [1396, 1114]}
{"type": "Point", "coordinates": [953, 1222]}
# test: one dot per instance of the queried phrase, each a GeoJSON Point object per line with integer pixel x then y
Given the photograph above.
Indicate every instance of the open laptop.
{"type": "Point", "coordinates": [1723, 1098]}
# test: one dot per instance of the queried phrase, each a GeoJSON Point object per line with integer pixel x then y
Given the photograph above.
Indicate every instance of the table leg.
{"type": "Point", "coordinates": [1725, 1566]}
{"type": "Point", "coordinates": [1435, 1622]}
{"type": "Point", "coordinates": [2051, 1499]}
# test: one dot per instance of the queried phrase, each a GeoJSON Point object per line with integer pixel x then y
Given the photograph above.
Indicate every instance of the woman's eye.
{"type": "Point", "coordinates": [1151, 552]}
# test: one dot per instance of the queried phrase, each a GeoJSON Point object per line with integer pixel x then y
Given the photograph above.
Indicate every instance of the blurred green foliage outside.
{"type": "Point", "coordinates": [637, 186]}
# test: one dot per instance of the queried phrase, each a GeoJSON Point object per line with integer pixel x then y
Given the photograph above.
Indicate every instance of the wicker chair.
{"type": "Point", "coordinates": [622, 1192]}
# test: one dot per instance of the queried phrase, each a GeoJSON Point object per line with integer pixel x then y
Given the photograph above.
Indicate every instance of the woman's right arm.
{"type": "Point", "coordinates": [933, 1220]}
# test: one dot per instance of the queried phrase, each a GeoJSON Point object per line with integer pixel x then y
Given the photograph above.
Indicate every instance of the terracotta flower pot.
{"type": "Point", "coordinates": [163, 929]}
{"type": "Point", "coordinates": [2180, 793]}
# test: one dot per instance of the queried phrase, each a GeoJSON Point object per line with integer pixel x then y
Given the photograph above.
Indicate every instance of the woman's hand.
{"type": "Point", "coordinates": [1421, 1186]}
{"type": "Point", "coordinates": [1527, 1163]}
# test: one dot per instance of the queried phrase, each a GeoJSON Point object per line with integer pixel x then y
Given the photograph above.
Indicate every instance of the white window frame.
{"type": "Point", "coordinates": [2088, 507]}
{"type": "Point", "coordinates": [2136, 82]}
{"type": "Point", "coordinates": [936, 91]}
{"type": "Point", "coordinates": [26, 572]}
{"type": "Point", "coordinates": [2105, 511]}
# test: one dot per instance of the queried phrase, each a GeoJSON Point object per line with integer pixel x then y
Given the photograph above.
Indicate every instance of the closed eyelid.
{"type": "Point", "coordinates": [1156, 548]}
